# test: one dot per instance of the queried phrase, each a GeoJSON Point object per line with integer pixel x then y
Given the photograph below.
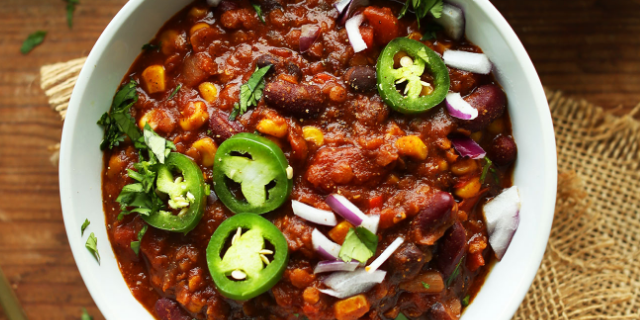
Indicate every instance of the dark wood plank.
{"type": "Point", "coordinates": [588, 48]}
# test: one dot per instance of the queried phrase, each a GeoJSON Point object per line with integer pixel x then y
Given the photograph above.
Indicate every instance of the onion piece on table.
{"type": "Point", "coordinates": [315, 215]}
{"type": "Point", "coordinates": [385, 255]}
{"type": "Point", "coordinates": [351, 213]}
{"type": "Point", "coordinates": [452, 19]}
{"type": "Point", "coordinates": [502, 215]}
{"type": "Point", "coordinates": [459, 108]}
{"type": "Point", "coordinates": [335, 265]}
{"type": "Point", "coordinates": [309, 33]}
{"type": "Point", "coordinates": [345, 284]}
{"type": "Point", "coordinates": [467, 148]}
{"type": "Point", "coordinates": [326, 248]}
{"type": "Point", "coordinates": [467, 61]}
{"type": "Point", "coordinates": [353, 32]}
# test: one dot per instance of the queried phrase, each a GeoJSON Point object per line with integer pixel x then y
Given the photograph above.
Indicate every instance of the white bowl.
{"type": "Point", "coordinates": [138, 21]}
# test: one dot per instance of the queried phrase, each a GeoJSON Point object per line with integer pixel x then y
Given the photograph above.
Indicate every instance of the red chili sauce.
{"type": "Point", "coordinates": [353, 146]}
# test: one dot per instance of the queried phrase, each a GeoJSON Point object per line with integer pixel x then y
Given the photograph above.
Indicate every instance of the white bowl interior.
{"type": "Point", "coordinates": [138, 22]}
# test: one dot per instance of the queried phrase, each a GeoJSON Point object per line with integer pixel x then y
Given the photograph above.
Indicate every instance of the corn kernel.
{"type": "Point", "coordinates": [469, 190]}
{"type": "Point", "coordinates": [194, 116]}
{"type": "Point", "coordinates": [207, 149]}
{"type": "Point", "coordinates": [277, 128]}
{"type": "Point", "coordinates": [443, 165]}
{"type": "Point", "coordinates": [415, 36]}
{"type": "Point", "coordinates": [464, 166]}
{"type": "Point", "coordinates": [351, 308]}
{"type": "Point", "coordinates": [153, 77]}
{"type": "Point", "coordinates": [198, 26]}
{"type": "Point", "coordinates": [476, 136]}
{"type": "Point", "coordinates": [496, 127]}
{"type": "Point", "coordinates": [313, 134]}
{"type": "Point", "coordinates": [412, 146]}
{"type": "Point", "coordinates": [339, 232]}
{"type": "Point", "coordinates": [168, 40]}
{"type": "Point", "coordinates": [208, 91]}
{"type": "Point", "coordinates": [198, 12]}
{"type": "Point", "coordinates": [157, 120]}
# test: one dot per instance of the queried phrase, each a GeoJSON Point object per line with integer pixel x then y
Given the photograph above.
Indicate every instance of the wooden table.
{"type": "Point", "coordinates": [588, 48]}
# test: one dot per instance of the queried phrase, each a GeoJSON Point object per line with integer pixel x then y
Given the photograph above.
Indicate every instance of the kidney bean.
{"type": "Point", "coordinates": [452, 249]}
{"type": "Point", "coordinates": [299, 99]}
{"type": "Point", "coordinates": [361, 78]}
{"type": "Point", "coordinates": [434, 218]}
{"type": "Point", "coordinates": [267, 60]}
{"type": "Point", "coordinates": [490, 101]}
{"type": "Point", "coordinates": [227, 5]}
{"type": "Point", "coordinates": [221, 128]}
{"type": "Point", "coordinates": [503, 150]}
{"type": "Point", "coordinates": [440, 312]}
{"type": "Point", "coordinates": [293, 69]}
{"type": "Point", "coordinates": [167, 309]}
{"type": "Point", "coordinates": [407, 262]}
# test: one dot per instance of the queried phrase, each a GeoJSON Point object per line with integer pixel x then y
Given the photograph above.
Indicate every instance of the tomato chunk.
{"type": "Point", "coordinates": [384, 23]}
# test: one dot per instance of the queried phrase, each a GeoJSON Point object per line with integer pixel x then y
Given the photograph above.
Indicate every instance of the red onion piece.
{"type": "Point", "coordinates": [309, 33]}
{"type": "Point", "coordinates": [345, 284]}
{"type": "Point", "coordinates": [459, 108]}
{"type": "Point", "coordinates": [212, 197]}
{"type": "Point", "coordinates": [466, 147]}
{"type": "Point", "coordinates": [311, 214]}
{"type": "Point", "coordinates": [335, 265]}
{"type": "Point", "coordinates": [452, 20]}
{"type": "Point", "coordinates": [354, 5]}
{"type": "Point", "coordinates": [351, 213]}
{"type": "Point", "coordinates": [468, 61]}
{"type": "Point", "coordinates": [353, 32]}
{"type": "Point", "coordinates": [326, 248]}
{"type": "Point", "coordinates": [502, 215]}
{"type": "Point", "coordinates": [341, 5]}
{"type": "Point", "coordinates": [385, 255]}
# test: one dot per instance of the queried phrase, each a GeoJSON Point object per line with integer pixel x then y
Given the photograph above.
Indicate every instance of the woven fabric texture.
{"type": "Point", "coordinates": [591, 268]}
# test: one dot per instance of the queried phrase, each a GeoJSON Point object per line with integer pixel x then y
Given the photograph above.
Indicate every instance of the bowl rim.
{"type": "Point", "coordinates": [510, 38]}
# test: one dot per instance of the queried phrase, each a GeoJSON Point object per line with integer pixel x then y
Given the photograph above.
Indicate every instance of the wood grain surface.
{"type": "Point", "coordinates": [588, 48]}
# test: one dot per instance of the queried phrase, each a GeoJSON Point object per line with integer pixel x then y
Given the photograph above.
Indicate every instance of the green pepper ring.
{"type": "Point", "coordinates": [386, 85]}
{"type": "Point", "coordinates": [196, 185]}
{"type": "Point", "coordinates": [269, 276]}
{"type": "Point", "coordinates": [266, 150]}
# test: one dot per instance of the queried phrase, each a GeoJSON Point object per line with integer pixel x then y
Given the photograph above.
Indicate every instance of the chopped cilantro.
{"type": "Point", "coordinates": [423, 7]}
{"type": "Point", "coordinates": [32, 41]}
{"type": "Point", "coordinates": [485, 169]}
{"type": "Point", "coordinates": [71, 8]}
{"type": "Point", "coordinates": [250, 92]}
{"type": "Point", "coordinates": [92, 246]}
{"type": "Point", "coordinates": [455, 272]}
{"type": "Point", "coordinates": [426, 285]}
{"type": "Point", "coordinates": [118, 122]}
{"type": "Point", "coordinates": [135, 245]}
{"type": "Point", "coordinates": [85, 315]}
{"type": "Point", "coordinates": [465, 301]}
{"type": "Point", "coordinates": [84, 226]}
{"type": "Point", "coordinates": [495, 175]}
{"type": "Point", "coordinates": [258, 10]}
{"type": "Point", "coordinates": [401, 317]}
{"type": "Point", "coordinates": [149, 46]}
{"type": "Point", "coordinates": [430, 31]}
{"type": "Point", "coordinates": [175, 91]}
{"type": "Point", "coordinates": [359, 244]}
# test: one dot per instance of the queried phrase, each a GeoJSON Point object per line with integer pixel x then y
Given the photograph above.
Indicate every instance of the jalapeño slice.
{"type": "Point", "coordinates": [185, 193]}
{"type": "Point", "coordinates": [422, 59]}
{"type": "Point", "coordinates": [258, 166]}
{"type": "Point", "coordinates": [241, 273]}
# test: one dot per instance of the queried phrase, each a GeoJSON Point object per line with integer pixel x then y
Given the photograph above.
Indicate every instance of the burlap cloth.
{"type": "Point", "coordinates": [591, 268]}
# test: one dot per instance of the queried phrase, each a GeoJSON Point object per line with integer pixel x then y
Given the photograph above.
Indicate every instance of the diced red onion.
{"type": "Point", "coordinates": [311, 214]}
{"type": "Point", "coordinates": [385, 255]}
{"type": "Point", "coordinates": [345, 284]}
{"type": "Point", "coordinates": [371, 223]}
{"type": "Point", "coordinates": [468, 61]}
{"type": "Point", "coordinates": [309, 33]}
{"type": "Point", "coordinates": [341, 5]}
{"type": "Point", "coordinates": [213, 3]}
{"type": "Point", "coordinates": [351, 213]}
{"type": "Point", "coordinates": [353, 32]}
{"type": "Point", "coordinates": [459, 108]}
{"type": "Point", "coordinates": [452, 20]}
{"type": "Point", "coordinates": [346, 13]}
{"type": "Point", "coordinates": [468, 148]}
{"type": "Point", "coordinates": [502, 215]}
{"type": "Point", "coordinates": [326, 248]}
{"type": "Point", "coordinates": [212, 197]}
{"type": "Point", "coordinates": [335, 265]}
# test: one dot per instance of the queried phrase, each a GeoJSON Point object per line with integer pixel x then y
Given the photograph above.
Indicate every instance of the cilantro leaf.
{"type": "Point", "coordinates": [401, 317]}
{"type": "Point", "coordinates": [71, 8]}
{"type": "Point", "coordinates": [234, 113]}
{"type": "Point", "coordinates": [84, 226]}
{"type": "Point", "coordinates": [465, 301]}
{"type": "Point", "coordinates": [258, 10]}
{"type": "Point", "coordinates": [85, 315]}
{"type": "Point", "coordinates": [487, 164]}
{"type": "Point", "coordinates": [175, 91]}
{"type": "Point", "coordinates": [421, 8]}
{"type": "Point", "coordinates": [359, 244]}
{"type": "Point", "coordinates": [426, 285]}
{"type": "Point", "coordinates": [32, 41]}
{"type": "Point", "coordinates": [119, 122]}
{"type": "Point", "coordinates": [404, 9]}
{"type": "Point", "coordinates": [251, 92]}
{"type": "Point", "coordinates": [455, 273]}
{"type": "Point", "coordinates": [436, 10]}
{"type": "Point", "coordinates": [157, 144]}
{"type": "Point", "coordinates": [92, 246]}
{"type": "Point", "coordinates": [149, 46]}
{"type": "Point", "coordinates": [135, 245]}
{"type": "Point", "coordinates": [430, 31]}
